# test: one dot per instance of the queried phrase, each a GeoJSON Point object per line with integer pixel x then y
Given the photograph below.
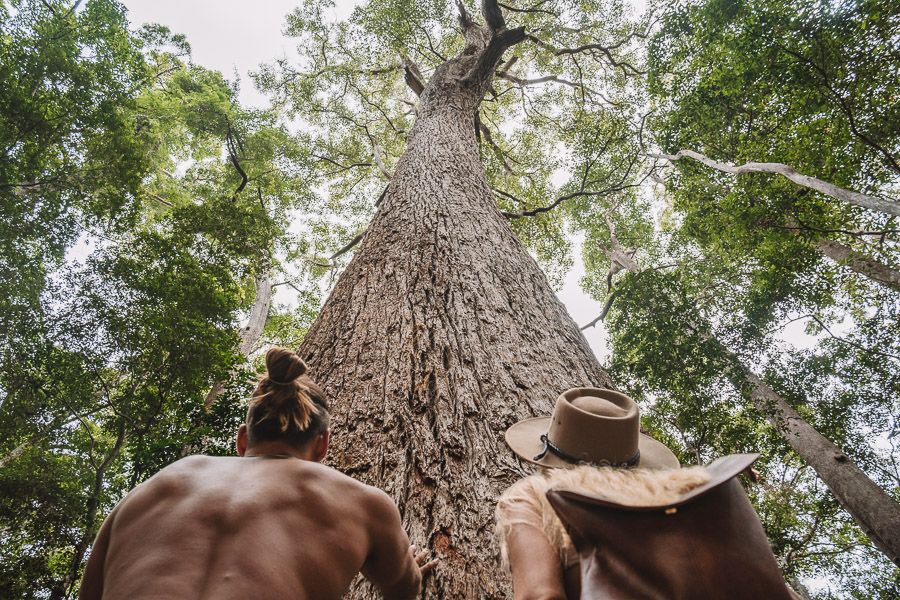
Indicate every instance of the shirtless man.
{"type": "Point", "coordinates": [272, 523]}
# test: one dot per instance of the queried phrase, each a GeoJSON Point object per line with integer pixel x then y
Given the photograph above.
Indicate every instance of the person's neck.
{"type": "Point", "coordinates": [278, 450]}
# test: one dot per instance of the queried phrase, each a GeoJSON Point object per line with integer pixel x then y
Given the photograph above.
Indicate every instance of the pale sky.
{"type": "Point", "coordinates": [235, 37]}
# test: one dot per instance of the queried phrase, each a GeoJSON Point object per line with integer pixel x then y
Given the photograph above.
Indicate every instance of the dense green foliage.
{"type": "Point", "coordinates": [141, 202]}
{"type": "Point", "coordinates": [813, 86]}
{"type": "Point", "coordinates": [549, 114]}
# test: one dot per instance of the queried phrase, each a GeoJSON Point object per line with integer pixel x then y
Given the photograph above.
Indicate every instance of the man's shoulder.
{"type": "Point", "coordinates": [340, 479]}
{"type": "Point", "coordinates": [189, 465]}
{"type": "Point", "coordinates": [179, 472]}
{"type": "Point", "coordinates": [374, 500]}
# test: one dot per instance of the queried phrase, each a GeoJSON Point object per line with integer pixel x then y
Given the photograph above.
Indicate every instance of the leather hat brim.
{"type": "Point", "coordinates": [525, 440]}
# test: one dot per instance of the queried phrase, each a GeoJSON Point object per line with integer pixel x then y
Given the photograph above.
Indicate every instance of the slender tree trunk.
{"type": "Point", "coordinates": [859, 262]}
{"type": "Point", "coordinates": [21, 448]}
{"type": "Point", "coordinates": [876, 203]}
{"type": "Point", "coordinates": [250, 333]}
{"type": "Point", "coordinates": [877, 513]}
{"type": "Point", "coordinates": [64, 588]}
{"type": "Point", "coordinates": [440, 334]}
{"type": "Point", "coordinates": [249, 336]}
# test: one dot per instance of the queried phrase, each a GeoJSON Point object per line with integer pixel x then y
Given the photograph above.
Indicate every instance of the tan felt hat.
{"type": "Point", "coordinates": [589, 426]}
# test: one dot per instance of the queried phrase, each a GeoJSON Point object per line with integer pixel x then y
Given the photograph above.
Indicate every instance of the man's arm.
{"type": "Point", "coordinates": [391, 564]}
{"type": "Point", "coordinates": [92, 581]}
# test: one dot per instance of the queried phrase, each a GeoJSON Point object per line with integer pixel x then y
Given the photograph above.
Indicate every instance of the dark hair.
{"type": "Point", "coordinates": [286, 406]}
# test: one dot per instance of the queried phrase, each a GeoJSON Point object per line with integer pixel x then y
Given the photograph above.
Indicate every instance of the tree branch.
{"type": "Point", "coordinates": [341, 167]}
{"type": "Point", "coordinates": [860, 234]}
{"type": "Point", "coordinates": [491, 55]}
{"type": "Point", "coordinates": [533, 9]}
{"type": "Point", "coordinates": [504, 74]}
{"type": "Point", "coordinates": [581, 193]}
{"type": "Point", "coordinates": [493, 16]}
{"type": "Point", "coordinates": [829, 189]}
{"type": "Point", "coordinates": [161, 200]}
{"type": "Point", "coordinates": [889, 159]}
{"type": "Point", "coordinates": [619, 257]}
{"type": "Point", "coordinates": [501, 156]}
{"type": "Point", "coordinates": [413, 76]}
{"type": "Point", "coordinates": [54, 425]}
{"type": "Point", "coordinates": [465, 19]}
{"type": "Point", "coordinates": [542, 209]}
{"type": "Point", "coordinates": [602, 316]}
{"type": "Point", "coordinates": [382, 195]}
{"type": "Point", "coordinates": [850, 342]}
{"type": "Point", "coordinates": [232, 156]}
{"type": "Point", "coordinates": [594, 49]}
{"type": "Point", "coordinates": [356, 239]}
{"type": "Point", "coordinates": [379, 162]}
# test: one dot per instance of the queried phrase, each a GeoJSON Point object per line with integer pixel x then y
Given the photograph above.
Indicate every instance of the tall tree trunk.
{"type": "Point", "coordinates": [249, 334]}
{"type": "Point", "coordinates": [859, 262]}
{"type": "Point", "coordinates": [876, 203]}
{"type": "Point", "coordinates": [64, 588]}
{"type": "Point", "coordinates": [877, 513]}
{"type": "Point", "coordinates": [441, 333]}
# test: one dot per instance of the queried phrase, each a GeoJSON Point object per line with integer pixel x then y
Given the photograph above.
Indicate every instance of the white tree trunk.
{"type": "Point", "coordinates": [859, 262]}
{"type": "Point", "coordinates": [829, 189]}
{"type": "Point", "coordinates": [876, 512]}
{"type": "Point", "coordinates": [250, 333]}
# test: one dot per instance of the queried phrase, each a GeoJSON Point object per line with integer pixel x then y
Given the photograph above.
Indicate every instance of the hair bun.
{"type": "Point", "coordinates": [284, 366]}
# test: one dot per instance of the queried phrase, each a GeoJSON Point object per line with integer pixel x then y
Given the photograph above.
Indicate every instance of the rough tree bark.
{"type": "Point", "coordinates": [876, 512]}
{"type": "Point", "coordinates": [441, 332]}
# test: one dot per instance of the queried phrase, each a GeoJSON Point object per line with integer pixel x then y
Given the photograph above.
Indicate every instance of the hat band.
{"type": "Point", "coordinates": [554, 449]}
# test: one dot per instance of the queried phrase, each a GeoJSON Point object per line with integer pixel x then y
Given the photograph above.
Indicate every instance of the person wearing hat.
{"type": "Point", "coordinates": [591, 448]}
{"type": "Point", "coordinates": [592, 443]}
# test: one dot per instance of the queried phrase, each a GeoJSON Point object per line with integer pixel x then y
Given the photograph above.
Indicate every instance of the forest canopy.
{"type": "Point", "coordinates": [727, 172]}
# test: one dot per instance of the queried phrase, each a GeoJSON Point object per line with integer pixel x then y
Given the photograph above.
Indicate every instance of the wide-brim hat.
{"type": "Point", "coordinates": [589, 426]}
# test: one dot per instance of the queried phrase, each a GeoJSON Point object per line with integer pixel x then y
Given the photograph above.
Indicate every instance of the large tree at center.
{"type": "Point", "coordinates": [443, 330]}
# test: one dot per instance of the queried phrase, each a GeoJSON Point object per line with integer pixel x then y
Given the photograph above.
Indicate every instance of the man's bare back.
{"type": "Point", "coordinates": [272, 524]}
{"type": "Point", "coordinates": [251, 527]}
